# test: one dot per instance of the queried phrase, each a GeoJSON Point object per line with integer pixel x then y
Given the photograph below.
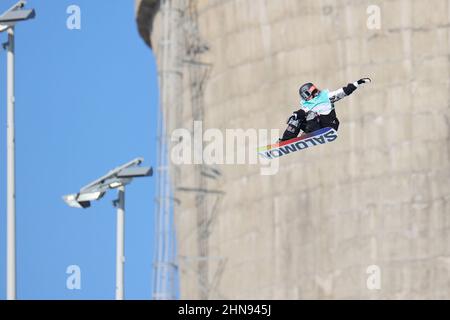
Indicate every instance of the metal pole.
{"type": "Point", "coordinates": [11, 180]}
{"type": "Point", "coordinates": [120, 257]}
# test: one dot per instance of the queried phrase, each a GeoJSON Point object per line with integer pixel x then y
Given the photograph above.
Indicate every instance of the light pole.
{"type": "Point", "coordinates": [7, 22]}
{"type": "Point", "coordinates": [120, 234]}
{"type": "Point", "coordinates": [115, 179]}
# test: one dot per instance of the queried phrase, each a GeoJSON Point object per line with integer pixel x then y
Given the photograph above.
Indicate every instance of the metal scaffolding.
{"type": "Point", "coordinates": [198, 72]}
{"type": "Point", "coordinates": [180, 49]}
{"type": "Point", "coordinates": [206, 199]}
{"type": "Point", "coordinates": [170, 81]}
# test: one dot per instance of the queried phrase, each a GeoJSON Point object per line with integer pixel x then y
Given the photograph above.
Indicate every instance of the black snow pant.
{"type": "Point", "coordinates": [322, 121]}
{"type": "Point", "coordinates": [329, 120]}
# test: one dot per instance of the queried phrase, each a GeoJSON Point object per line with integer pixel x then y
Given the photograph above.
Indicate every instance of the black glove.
{"type": "Point", "coordinates": [352, 86]}
{"type": "Point", "coordinates": [301, 115]}
{"type": "Point", "coordinates": [348, 90]}
{"type": "Point", "coordinates": [297, 117]}
{"type": "Point", "coordinates": [364, 80]}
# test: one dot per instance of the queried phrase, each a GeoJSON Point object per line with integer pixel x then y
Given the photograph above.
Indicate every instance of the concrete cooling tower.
{"type": "Point", "coordinates": [364, 217]}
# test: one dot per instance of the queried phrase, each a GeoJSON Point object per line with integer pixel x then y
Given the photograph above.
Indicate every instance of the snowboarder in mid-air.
{"type": "Point", "coordinates": [317, 109]}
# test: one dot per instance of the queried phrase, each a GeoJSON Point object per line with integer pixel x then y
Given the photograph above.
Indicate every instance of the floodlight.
{"type": "Point", "coordinates": [17, 16]}
{"type": "Point", "coordinates": [91, 196]}
{"type": "Point", "coordinates": [114, 179]}
{"type": "Point", "coordinates": [135, 172]}
{"type": "Point", "coordinates": [101, 182]}
{"type": "Point", "coordinates": [73, 202]}
{"type": "Point", "coordinates": [115, 184]}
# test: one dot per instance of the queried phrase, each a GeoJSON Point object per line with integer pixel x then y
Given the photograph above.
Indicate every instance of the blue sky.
{"type": "Point", "coordinates": [86, 101]}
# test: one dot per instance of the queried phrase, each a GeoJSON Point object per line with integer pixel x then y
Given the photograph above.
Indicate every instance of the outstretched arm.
{"type": "Point", "coordinates": [347, 90]}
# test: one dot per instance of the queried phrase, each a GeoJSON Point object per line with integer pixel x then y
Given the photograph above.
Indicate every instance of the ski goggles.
{"type": "Point", "coordinates": [311, 93]}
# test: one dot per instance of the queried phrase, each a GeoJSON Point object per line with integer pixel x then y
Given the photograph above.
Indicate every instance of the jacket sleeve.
{"type": "Point", "coordinates": [343, 92]}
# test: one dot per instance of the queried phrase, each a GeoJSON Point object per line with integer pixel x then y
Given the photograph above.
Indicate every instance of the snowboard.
{"type": "Point", "coordinates": [305, 141]}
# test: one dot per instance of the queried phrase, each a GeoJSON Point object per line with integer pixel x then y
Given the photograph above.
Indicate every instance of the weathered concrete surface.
{"type": "Point", "coordinates": [379, 195]}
